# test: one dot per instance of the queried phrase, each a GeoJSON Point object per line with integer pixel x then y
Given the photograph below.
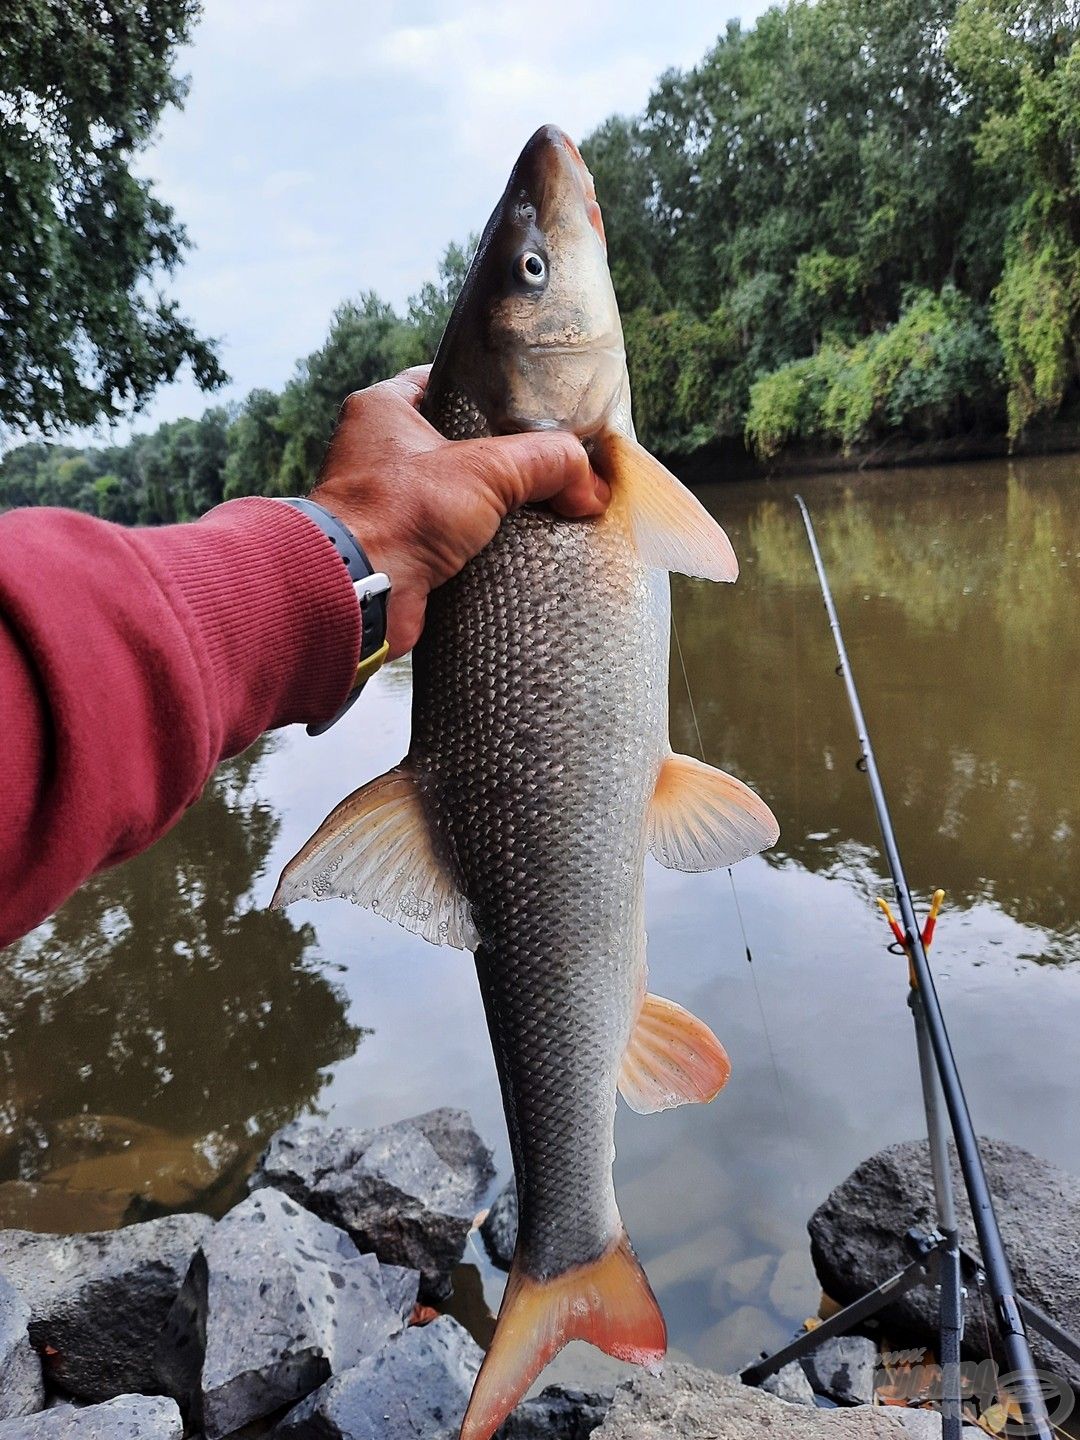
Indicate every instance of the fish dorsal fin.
{"type": "Point", "coordinates": [670, 527]}
{"type": "Point", "coordinates": [702, 819]}
{"type": "Point", "coordinates": [673, 1058]}
{"type": "Point", "coordinates": [376, 850]}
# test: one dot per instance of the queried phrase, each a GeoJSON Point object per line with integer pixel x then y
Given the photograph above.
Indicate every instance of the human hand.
{"type": "Point", "coordinates": [423, 506]}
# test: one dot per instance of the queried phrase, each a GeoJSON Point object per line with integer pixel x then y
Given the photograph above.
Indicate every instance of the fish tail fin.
{"type": "Point", "coordinates": [608, 1302]}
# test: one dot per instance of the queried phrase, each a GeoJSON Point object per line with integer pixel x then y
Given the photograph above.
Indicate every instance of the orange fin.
{"type": "Point", "coordinates": [673, 1058]}
{"type": "Point", "coordinates": [702, 819]}
{"type": "Point", "coordinates": [376, 850]}
{"type": "Point", "coordinates": [608, 1302]}
{"type": "Point", "coordinates": [670, 527]}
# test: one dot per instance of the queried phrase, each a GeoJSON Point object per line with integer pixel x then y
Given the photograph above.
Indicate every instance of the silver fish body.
{"type": "Point", "coordinates": [539, 727]}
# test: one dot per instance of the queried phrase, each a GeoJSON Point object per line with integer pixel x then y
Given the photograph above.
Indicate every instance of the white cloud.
{"type": "Point", "coordinates": [330, 147]}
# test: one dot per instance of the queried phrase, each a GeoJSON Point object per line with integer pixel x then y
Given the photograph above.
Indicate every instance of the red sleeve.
{"type": "Point", "coordinates": [132, 661]}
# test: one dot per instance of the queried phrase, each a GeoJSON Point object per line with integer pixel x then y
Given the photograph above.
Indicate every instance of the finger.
{"type": "Point", "coordinates": [548, 465]}
{"type": "Point", "coordinates": [411, 384]}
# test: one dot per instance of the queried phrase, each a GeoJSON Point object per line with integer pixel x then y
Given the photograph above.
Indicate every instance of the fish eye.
{"type": "Point", "coordinates": [531, 269]}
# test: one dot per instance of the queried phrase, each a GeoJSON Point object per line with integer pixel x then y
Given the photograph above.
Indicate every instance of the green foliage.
{"type": "Point", "coordinates": [85, 331]}
{"type": "Point", "coordinates": [928, 374]}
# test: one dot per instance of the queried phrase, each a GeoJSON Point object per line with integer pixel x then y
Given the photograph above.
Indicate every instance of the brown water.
{"type": "Point", "coordinates": [156, 1032]}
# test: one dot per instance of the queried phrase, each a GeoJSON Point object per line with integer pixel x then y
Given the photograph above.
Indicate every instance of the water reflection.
{"type": "Point", "coordinates": [161, 1026]}
{"type": "Point", "coordinates": [959, 600]}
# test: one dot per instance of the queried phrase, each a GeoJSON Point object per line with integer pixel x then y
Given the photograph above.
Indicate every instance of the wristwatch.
{"type": "Point", "coordinates": [372, 592]}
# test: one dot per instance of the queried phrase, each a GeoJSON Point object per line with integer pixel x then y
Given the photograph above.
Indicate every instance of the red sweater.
{"type": "Point", "coordinates": [132, 661]}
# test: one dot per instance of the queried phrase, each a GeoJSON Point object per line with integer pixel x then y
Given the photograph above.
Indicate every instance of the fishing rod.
{"type": "Point", "coordinates": [999, 1279]}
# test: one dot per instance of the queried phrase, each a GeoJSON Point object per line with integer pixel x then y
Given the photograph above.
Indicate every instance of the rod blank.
{"type": "Point", "coordinates": [995, 1262]}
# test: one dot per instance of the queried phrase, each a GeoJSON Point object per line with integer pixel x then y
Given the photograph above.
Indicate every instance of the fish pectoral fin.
{"type": "Point", "coordinates": [670, 527]}
{"type": "Point", "coordinates": [376, 849]}
{"type": "Point", "coordinates": [673, 1058]}
{"type": "Point", "coordinates": [608, 1302]}
{"type": "Point", "coordinates": [702, 819]}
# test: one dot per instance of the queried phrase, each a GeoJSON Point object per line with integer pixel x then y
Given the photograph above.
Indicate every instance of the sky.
{"type": "Point", "coordinates": [332, 146]}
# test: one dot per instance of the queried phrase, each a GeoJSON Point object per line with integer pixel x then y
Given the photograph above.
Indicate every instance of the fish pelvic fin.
{"type": "Point", "coordinates": [703, 819]}
{"type": "Point", "coordinates": [608, 1302]}
{"type": "Point", "coordinates": [376, 849]}
{"type": "Point", "coordinates": [673, 1058]}
{"type": "Point", "coordinates": [670, 527]}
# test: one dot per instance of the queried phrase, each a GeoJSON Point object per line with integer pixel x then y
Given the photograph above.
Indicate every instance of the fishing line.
{"type": "Point", "coordinates": [738, 911]}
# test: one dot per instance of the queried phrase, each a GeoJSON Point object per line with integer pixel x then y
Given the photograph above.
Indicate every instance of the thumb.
{"type": "Point", "coordinates": [545, 465]}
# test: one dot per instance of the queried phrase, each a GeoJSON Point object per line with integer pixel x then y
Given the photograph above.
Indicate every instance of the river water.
{"type": "Point", "coordinates": [164, 1024]}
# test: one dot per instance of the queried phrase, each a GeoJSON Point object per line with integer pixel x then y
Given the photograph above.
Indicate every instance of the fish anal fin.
{"type": "Point", "coordinates": [376, 849]}
{"type": "Point", "coordinates": [673, 1058]}
{"type": "Point", "coordinates": [703, 819]}
{"type": "Point", "coordinates": [608, 1302]}
{"type": "Point", "coordinates": [670, 527]}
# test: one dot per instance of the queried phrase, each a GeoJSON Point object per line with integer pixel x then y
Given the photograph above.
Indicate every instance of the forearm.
{"type": "Point", "coordinates": [132, 661]}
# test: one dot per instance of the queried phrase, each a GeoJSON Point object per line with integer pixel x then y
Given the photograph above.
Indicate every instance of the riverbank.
{"type": "Point", "coordinates": [318, 1308]}
{"type": "Point", "coordinates": [731, 460]}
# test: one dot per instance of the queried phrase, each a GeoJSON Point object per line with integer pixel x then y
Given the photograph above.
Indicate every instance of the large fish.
{"type": "Point", "coordinates": [539, 774]}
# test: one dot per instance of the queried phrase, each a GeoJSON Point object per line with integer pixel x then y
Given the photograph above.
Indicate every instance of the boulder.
{"type": "Point", "coordinates": [98, 1301]}
{"type": "Point", "coordinates": [685, 1403]}
{"type": "Point", "coordinates": [499, 1229]}
{"type": "Point", "coordinates": [857, 1239]}
{"type": "Point", "coordinates": [407, 1192]}
{"type": "Point", "coordinates": [557, 1413]}
{"type": "Point", "coordinates": [417, 1388]}
{"type": "Point", "coordinates": [128, 1417]}
{"type": "Point", "coordinates": [22, 1390]}
{"type": "Point", "coordinates": [842, 1368]}
{"type": "Point", "coordinates": [414, 1389]}
{"type": "Point", "coordinates": [790, 1384]}
{"type": "Point", "coordinates": [274, 1303]}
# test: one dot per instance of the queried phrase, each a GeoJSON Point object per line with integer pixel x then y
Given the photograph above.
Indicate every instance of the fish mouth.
{"type": "Point", "coordinates": [553, 159]}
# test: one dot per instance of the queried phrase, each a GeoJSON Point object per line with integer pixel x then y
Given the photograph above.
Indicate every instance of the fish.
{"type": "Point", "coordinates": [540, 774]}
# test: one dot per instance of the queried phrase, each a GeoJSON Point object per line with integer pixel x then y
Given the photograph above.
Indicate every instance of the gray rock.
{"type": "Point", "coordinates": [843, 1368]}
{"type": "Point", "coordinates": [415, 1389]}
{"type": "Point", "coordinates": [129, 1417]}
{"type": "Point", "coordinates": [926, 1425]}
{"type": "Point", "coordinates": [857, 1239]}
{"type": "Point", "coordinates": [790, 1384]}
{"type": "Point", "coordinates": [275, 1301]}
{"type": "Point", "coordinates": [499, 1229]}
{"type": "Point", "coordinates": [22, 1390]}
{"type": "Point", "coordinates": [98, 1301]}
{"type": "Point", "coordinates": [408, 1192]}
{"type": "Point", "coordinates": [557, 1413]}
{"type": "Point", "coordinates": [401, 1286]}
{"type": "Point", "coordinates": [685, 1403]}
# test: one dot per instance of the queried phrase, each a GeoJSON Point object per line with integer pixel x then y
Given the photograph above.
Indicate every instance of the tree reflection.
{"type": "Point", "coordinates": [162, 994]}
{"type": "Point", "coordinates": [958, 591]}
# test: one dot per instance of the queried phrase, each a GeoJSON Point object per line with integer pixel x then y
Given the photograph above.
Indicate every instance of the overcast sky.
{"type": "Point", "coordinates": [330, 146]}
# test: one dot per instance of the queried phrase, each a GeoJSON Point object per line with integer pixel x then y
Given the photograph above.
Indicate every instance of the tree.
{"type": "Point", "coordinates": [86, 331]}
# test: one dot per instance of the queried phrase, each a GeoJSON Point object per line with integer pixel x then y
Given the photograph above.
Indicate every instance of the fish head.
{"type": "Point", "coordinates": [535, 341]}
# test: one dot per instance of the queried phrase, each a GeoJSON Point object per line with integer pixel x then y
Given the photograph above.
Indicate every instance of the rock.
{"type": "Point", "coordinates": [414, 1389]}
{"type": "Point", "coordinates": [408, 1192]}
{"type": "Point", "coordinates": [790, 1384]}
{"type": "Point", "coordinates": [741, 1281]}
{"type": "Point", "coordinates": [557, 1413]}
{"type": "Point", "coordinates": [22, 1390]}
{"type": "Point", "coordinates": [275, 1302]}
{"type": "Point", "coordinates": [499, 1229]}
{"type": "Point", "coordinates": [926, 1425]}
{"type": "Point", "coordinates": [794, 1289]}
{"type": "Point", "coordinates": [843, 1368]}
{"type": "Point", "coordinates": [685, 1403]}
{"type": "Point", "coordinates": [401, 1286]}
{"type": "Point", "coordinates": [128, 1417]}
{"type": "Point", "coordinates": [857, 1239]}
{"type": "Point", "coordinates": [98, 1301]}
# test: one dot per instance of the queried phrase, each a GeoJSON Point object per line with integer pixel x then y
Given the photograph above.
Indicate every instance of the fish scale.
{"type": "Point", "coordinates": [531, 662]}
